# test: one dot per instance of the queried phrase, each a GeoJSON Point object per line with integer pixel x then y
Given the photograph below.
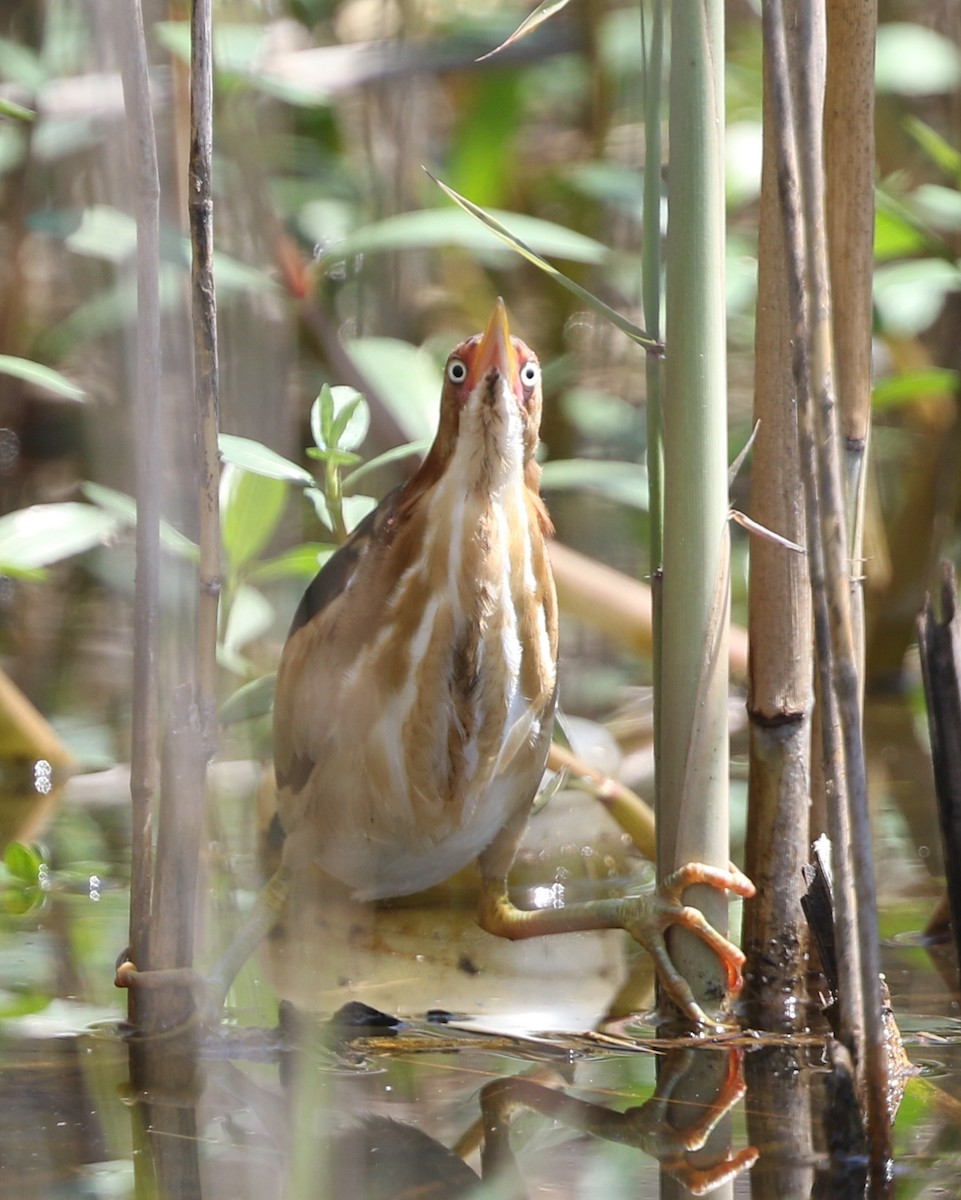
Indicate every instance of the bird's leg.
{"type": "Point", "coordinates": [210, 991]}
{"type": "Point", "coordinates": [646, 917]}
{"type": "Point", "coordinates": [263, 917]}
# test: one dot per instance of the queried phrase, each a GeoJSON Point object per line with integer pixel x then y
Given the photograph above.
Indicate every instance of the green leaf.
{"type": "Point", "coordinates": [24, 863]}
{"type": "Point", "coordinates": [238, 47]}
{"type": "Point", "coordinates": [22, 900]}
{"type": "Point", "coordinates": [46, 533]}
{"type": "Point", "coordinates": [937, 148]}
{"type": "Point", "coordinates": [596, 414]}
{"type": "Point", "coordinates": [940, 206]}
{"type": "Point", "coordinates": [622, 482]}
{"type": "Point", "coordinates": [531, 22]}
{"type": "Point", "coordinates": [913, 60]}
{"type": "Point", "coordinates": [261, 460]}
{"type": "Point", "coordinates": [406, 378]}
{"type": "Point", "coordinates": [107, 233]}
{"type": "Point", "coordinates": [896, 232]}
{"type": "Point", "coordinates": [322, 417]}
{"type": "Point", "coordinates": [124, 508]}
{"type": "Point", "coordinates": [355, 508]}
{"type": "Point", "coordinates": [397, 454]}
{"type": "Point", "coordinates": [351, 418]}
{"type": "Point", "coordinates": [634, 332]}
{"type": "Point", "coordinates": [251, 616]}
{"type": "Point", "coordinates": [911, 385]}
{"type": "Point", "coordinates": [300, 562]}
{"type": "Point", "coordinates": [320, 505]}
{"type": "Point", "coordinates": [254, 699]}
{"type": "Point", "coordinates": [103, 232]}
{"type": "Point", "coordinates": [611, 183]}
{"type": "Point", "coordinates": [336, 458]}
{"type": "Point", "coordinates": [435, 227]}
{"type": "Point", "coordinates": [251, 507]}
{"type": "Point", "coordinates": [339, 419]}
{"type": "Point", "coordinates": [21, 65]}
{"type": "Point", "coordinates": [910, 295]}
{"type": "Point", "coordinates": [41, 376]}
{"type": "Point", "coordinates": [9, 109]}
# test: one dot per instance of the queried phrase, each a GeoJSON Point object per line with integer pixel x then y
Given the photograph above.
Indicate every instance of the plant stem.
{"type": "Point", "coordinates": [849, 170]}
{"type": "Point", "coordinates": [802, 187]}
{"type": "Point", "coordinates": [206, 368]}
{"type": "Point", "coordinates": [692, 818]}
{"type": "Point", "coordinates": [654, 364]}
{"type": "Point", "coordinates": [780, 694]}
{"type": "Point", "coordinates": [146, 422]}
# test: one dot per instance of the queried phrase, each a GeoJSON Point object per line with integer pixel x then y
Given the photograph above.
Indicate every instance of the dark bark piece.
{"type": "Point", "coordinates": [940, 645]}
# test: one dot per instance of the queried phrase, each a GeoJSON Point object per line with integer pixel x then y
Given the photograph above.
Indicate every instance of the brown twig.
{"type": "Point", "coordinates": [143, 759]}
{"type": "Point", "coordinates": [206, 370]}
{"type": "Point", "coordinates": [780, 695]}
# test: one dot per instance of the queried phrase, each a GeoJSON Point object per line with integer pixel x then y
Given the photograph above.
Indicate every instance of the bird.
{"type": "Point", "coordinates": [417, 689]}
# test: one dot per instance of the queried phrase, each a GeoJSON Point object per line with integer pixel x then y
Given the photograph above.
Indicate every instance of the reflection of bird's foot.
{"type": "Point", "coordinates": [650, 916]}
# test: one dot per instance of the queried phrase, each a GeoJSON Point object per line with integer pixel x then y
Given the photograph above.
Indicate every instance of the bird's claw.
{"type": "Point", "coordinates": [663, 908]}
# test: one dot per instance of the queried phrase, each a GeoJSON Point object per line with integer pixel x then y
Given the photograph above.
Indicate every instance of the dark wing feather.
{"type": "Point", "coordinates": [334, 576]}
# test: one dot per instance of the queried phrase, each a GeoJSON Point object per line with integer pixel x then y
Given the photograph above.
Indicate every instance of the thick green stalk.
{"type": "Point", "coordinates": [692, 816]}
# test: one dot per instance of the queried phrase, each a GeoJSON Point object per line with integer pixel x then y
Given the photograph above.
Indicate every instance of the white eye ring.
{"type": "Point", "coordinates": [530, 374]}
{"type": "Point", "coordinates": [456, 370]}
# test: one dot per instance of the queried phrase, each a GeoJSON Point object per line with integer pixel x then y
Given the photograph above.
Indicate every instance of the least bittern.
{"type": "Point", "coordinates": [416, 692]}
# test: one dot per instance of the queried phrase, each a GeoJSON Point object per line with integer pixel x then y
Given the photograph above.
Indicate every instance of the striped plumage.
{"type": "Point", "coordinates": [416, 692]}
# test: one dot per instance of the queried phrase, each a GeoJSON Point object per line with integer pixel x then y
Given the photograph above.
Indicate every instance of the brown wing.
{"type": "Point", "coordinates": [292, 769]}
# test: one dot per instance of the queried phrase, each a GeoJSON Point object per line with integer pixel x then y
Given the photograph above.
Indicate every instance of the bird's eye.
{"type": "Point", "coordinates": [530, 373]}
{"type": "Point", "coordinates": [456, 370]}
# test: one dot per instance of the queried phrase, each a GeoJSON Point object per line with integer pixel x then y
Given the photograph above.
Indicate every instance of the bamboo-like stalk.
{"type": "Point", "coordinates": [801, 177]}
{"type": "Point", "coordinates": [692, 816]}
{"type": "Point", "coordinates": [146, 423]}
{"type": "Point", "coordinates": [849, 181]}
{"type": "Point", "coordinates": [779, 608]}
{"type": "Point", "coordinates": [795, 260]}
{"type": "Point", "coordinates": [845, 675]}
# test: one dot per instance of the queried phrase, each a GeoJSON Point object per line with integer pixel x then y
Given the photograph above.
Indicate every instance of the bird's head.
{"type": "Point", "coordinates": [490, 407]}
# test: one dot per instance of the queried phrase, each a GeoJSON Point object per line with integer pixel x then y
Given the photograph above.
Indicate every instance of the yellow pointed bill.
{"type": "Point", "coordinates": [495, 349]}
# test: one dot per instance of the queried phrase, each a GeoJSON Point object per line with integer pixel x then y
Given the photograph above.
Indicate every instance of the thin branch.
{"type": "Point", "coordinates": [206, 369]}
{"type": "Point", "coordinates": [146, 423]}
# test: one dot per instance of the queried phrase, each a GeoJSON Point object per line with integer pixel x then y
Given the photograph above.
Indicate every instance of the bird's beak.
{"type": "Point", "coordinates": [495, 351]}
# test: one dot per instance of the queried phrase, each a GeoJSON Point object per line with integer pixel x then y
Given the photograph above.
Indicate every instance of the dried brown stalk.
{"type": "Point", "coordinates": [146, 422]}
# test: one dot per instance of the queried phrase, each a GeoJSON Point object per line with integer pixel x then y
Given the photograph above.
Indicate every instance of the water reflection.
{"type": "Point", "coordinates": [421, 1109]}
{"type": "Point", "coordinates": [345, 1118]}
